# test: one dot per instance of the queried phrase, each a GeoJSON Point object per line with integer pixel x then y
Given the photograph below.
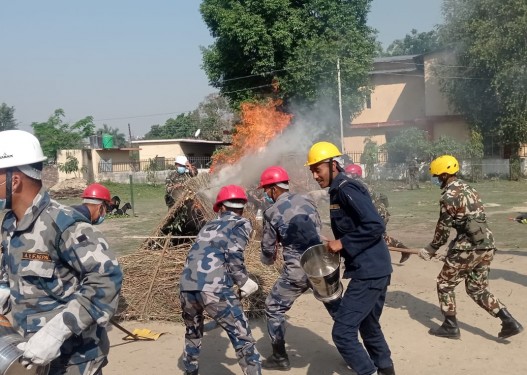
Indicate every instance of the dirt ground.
{"type": "Point", "coordinates": [410, 310]}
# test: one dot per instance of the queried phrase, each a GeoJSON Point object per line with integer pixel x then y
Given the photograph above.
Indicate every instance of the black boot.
{"type": "Point", "coordinates": [386, 371]}
{"type": "Point", "coordinates": [195, 372]}
{"type": "Point", "coordinates": [509, 325]}
{"type": "Point", "coordinates": [448, 329]}
{"type": "Point", "coordinates": [278, 360]}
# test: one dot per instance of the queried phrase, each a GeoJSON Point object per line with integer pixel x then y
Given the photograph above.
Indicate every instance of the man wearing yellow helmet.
{"type": "Point", "coordinates": [358, 230]}
{"type": "Point", "coordinates": [469, 255]}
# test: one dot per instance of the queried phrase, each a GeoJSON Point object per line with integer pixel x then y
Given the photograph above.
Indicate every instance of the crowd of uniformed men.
{"type": "Point", "coordinates": [61, 282]}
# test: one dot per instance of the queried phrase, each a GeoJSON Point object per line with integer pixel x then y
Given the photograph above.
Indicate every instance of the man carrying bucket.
{"type": "Point", "coordinates": [64, 280]}
{"type": "Point", "coordinates": [293, 221]}
{"type": "Point", "coordinates": [358, 230]}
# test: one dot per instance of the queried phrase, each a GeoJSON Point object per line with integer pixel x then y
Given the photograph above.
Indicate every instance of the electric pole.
{"type": "Point", "coordinates": [340, 108]}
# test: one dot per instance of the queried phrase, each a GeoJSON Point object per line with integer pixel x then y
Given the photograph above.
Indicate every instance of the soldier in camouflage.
{"type": "Point", "coordinates": [176, 178]}
{"type": "Point", "coordinates": [380, 201]}
{"type": "Point", "coordinates": [413, 173]}
{"type": "Point", "coordinates": [293, 222]}
{"type": "Point", "coordinates": [215, 263]}
{"type": "Point", "coordinates": [469, 255]}
{"type": "Point", "coordinates": [62, 278]}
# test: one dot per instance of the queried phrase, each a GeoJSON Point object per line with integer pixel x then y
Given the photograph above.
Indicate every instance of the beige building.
{"type": "Point", "coordinates": [406, 94]}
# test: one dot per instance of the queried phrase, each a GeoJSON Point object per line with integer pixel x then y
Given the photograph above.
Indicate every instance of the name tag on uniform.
{"type": "Point", "coordinates": [334, 207]}
{"type": "Point", "coordinates": [43, 257]}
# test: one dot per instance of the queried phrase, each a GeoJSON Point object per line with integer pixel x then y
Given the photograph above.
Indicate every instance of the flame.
{"type": "Point", "coordinates": [260, 123]}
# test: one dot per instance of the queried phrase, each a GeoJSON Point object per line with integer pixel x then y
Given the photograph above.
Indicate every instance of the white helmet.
{"type": "Point", "coordinates": [19, 148]}
{"type": "Point", "coordinates": [181, 160]}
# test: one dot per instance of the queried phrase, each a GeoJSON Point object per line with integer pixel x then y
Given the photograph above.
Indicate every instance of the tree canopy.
{"type": "Point", "coordinates": [56, 135]}
{"type": "Point", "coordinates": [289, 49]}
{"type": "Point", "coordinates": [414, 43]}
{"type": "Point", "coordinates": [212, 117]}
{"type": "Point", "coordinates": [7, 117]}
{"type": "Point", "coordinates": [488, 83]}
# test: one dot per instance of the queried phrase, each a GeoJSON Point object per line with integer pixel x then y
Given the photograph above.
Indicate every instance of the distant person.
{"type": "Point", "coordinates": [358, 231]}
{"type": "Point", "coordinates": [380, 201]}
{"type": "Point", "coordinates": [413, 173]}
{"type": "Point", "coordinates": [469, 254]}
{"type": "Point", "coordinates": [95, 202]}
{"type": "Point", "coordinates": [215, 263]}
{"type": "Point", "coordinates": [184, 169]}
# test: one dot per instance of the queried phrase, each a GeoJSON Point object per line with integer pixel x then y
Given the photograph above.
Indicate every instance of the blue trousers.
{"type": "Point", "coordinates": [360, 311]}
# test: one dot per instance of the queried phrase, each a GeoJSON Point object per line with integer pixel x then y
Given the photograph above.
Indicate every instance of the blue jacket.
{"type": "Point", "coordinates": [355, 221]}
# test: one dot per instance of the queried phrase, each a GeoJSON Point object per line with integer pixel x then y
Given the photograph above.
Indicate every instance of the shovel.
{"type": "Point", "coordinates": [138, 334]}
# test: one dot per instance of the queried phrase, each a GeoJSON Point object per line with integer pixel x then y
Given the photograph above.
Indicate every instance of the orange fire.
{"type": "Point", "coordinates": [260, 123]}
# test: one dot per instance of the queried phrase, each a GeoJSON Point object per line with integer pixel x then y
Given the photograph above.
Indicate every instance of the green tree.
{"type": "Point", "coordinates": [56, 135]}
{"type": "Point", "coordinates": [119, 139]}
{"type": "Point", "coordinates": [411, 142]}
{"type": "Point", "coordinates": [369, 157]}
{"type": "Point", "coordinates": [289, 49]}
{"type": "Point", "coordinates": [7, 117]}
{"type": "Point", "coordinates": [414, 43]}
{"type": "Point", "coordinates": [215, 116]}
{"type": "Point", "coordinates": [488, 83]}
{"type": "Point", "coordinates": [183, 126]}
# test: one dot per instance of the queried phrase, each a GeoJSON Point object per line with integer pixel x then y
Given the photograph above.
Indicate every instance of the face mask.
{"type": "Point", "coordinates": [2, 204]}
{"type": "Point", "coordinates": [181, 170]}
{"type": "Point", "coordinates": [268, 199]}
{"type": "Point", "coordinates": [436, 181]}
{"type": "Point", "coordinates": [99, 220]}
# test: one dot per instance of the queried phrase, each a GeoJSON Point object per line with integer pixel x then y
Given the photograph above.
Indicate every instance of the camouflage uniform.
{"type": "Point", "coordinates": [413, 174]}
{"type": "Point", "coordinates": [215, 263]}
{"type": "Point", "coordinates": [175, 180]}
{"type": "Point", "coordinates": [380, 202]}
{"type": "Point", "coordinates": [57, 263]}
{"type": "Point", "coordinates": [294, 222]}
{"type": "Point", "coordinates": [470, 254]}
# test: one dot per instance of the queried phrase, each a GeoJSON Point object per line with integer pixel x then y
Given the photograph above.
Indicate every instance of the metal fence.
{"type": "Point", "coordinates": [156, 164]}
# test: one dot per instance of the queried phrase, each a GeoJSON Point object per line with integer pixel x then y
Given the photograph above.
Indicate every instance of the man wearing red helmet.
{"type": "Point", "coordinates": [96, 198]}
{"type": "Point", "coordinates": [293, 222]}
{"type": "Point", "coordinates": [215, 263]}
{"type": "Point", "coordinates": [381, 204]}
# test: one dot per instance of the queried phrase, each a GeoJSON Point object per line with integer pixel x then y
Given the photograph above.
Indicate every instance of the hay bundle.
{"type": "Point", "coordinates": [151, 285]}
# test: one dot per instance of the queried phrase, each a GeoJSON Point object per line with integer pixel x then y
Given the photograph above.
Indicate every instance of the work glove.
{"type": "Point", "coordinates": [427, 253]}
{"type": "Point", "coordinates": [44, 346]}
{"type": "Point", "coordinates": [266, 260]}
{"type": "Point", "coordinates": [248, 288]}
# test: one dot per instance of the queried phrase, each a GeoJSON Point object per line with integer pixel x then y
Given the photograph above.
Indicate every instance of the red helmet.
{"type": "Point", "coordinates": [354, 169]}
{"type": "Point", "coordinates": [273, 175]}
{"type": "Point", "coordinates": [228, 193]}
{"type": "Point", "coordinates": [97, 191]}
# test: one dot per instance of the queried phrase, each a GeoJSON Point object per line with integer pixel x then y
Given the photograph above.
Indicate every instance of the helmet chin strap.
{"type": "Point", "coordinates": [339, 168]}
{"type": "Point", "coordinates": [9, 189]}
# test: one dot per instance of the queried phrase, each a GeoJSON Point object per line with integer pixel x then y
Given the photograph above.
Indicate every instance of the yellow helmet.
{"type": "Point", "coordinates": [322, 151]}
{"type": "Point", "coordinates": [444, 164]}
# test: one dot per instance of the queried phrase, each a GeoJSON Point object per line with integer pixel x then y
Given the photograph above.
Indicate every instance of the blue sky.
{"type": "Point", "coordinates": [128, 61]}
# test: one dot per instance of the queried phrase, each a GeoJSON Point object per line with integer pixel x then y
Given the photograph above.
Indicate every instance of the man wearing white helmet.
{"type": "Point", "coordinates": [63, 280]}
{"type": "Point", "coordinates": [184, 169]}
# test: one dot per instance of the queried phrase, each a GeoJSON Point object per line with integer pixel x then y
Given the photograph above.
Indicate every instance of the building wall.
{"type": "Point", "coordinates": [394, 98]}
{"type": "Point", "coordinates": [454, 127]}
{"type": "Point", "coordinates": [355, 143]}
{"type": "Point", "coordinates": [436, 104]}
{"type": "Point", "coordinates": [62, 156]}
{"type": "Point", "coordinates": [151, 150]}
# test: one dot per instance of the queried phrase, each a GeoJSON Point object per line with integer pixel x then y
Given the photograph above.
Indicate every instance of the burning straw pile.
{"type": "Point", "coordinates": [151, 274]}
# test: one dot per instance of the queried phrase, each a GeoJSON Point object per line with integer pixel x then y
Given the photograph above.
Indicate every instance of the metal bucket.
{"type": "Point", "coordinates": [322, 268]}
{"type": "Point", "coordinates": [10, 354]}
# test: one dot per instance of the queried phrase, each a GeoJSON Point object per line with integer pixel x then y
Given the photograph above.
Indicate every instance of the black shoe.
{"type": "Point", "coordinates": [195, 372]}
{"type": "Point", "coordinates": [278, 360]}
{"type": "Point", "coordinates": [386, 371]}
{"type": "Point", "coordinates": [509, 325]}
{"type": "Point", "coordinates": [449, 329]}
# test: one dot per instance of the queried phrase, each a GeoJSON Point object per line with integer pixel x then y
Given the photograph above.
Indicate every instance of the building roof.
{"type": "Point", "coordinates": [393, 58]}
{"type": "Point", "coordinates": [179, 140]}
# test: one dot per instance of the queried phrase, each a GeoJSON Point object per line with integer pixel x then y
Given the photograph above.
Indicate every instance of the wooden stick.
{"type": "Point", "coordinates": [167, 242]}
{"type": "Point", "coordinates": [403, 250]}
